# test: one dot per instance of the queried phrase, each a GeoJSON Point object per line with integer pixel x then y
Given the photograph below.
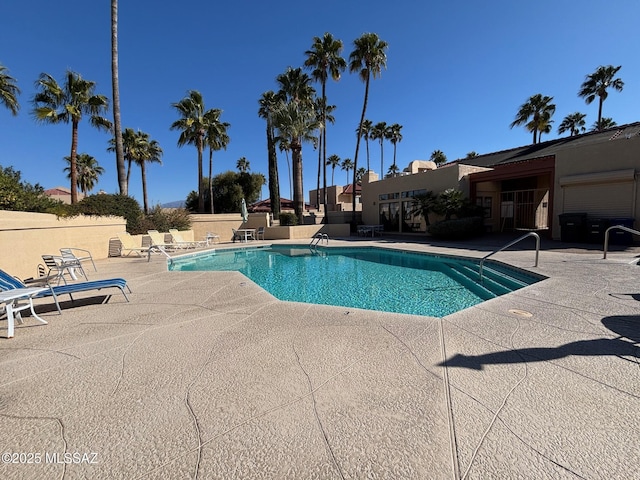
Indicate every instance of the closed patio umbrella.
{"type": "Point", "coordinates": [245, 213]}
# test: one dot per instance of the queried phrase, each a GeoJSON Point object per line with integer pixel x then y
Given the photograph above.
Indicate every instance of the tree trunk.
{"type": "Point", "coordinates": [274, 179]}
{"type": "Point", "coordinates": [115, 85]}
{"type": "Point", "coordinates": [145, 202]}
{"type": "Point", "coordinates": [319, 169]}
{"type": "Point", "coordinates": [200, 192]}
{"type": "Point", "coordinates": [74, 161]}
{"type": "Point", "coordinates": [601, 101]}
{"type": "Point", "coordinates": [298, 193]}
{"type": "Point", "coordinates": [355, 159]}
{"type": "Point", "coordinates": [211, 178]}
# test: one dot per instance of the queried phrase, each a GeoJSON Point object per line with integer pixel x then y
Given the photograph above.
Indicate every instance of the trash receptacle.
{"type": "Point", "coordinates": [573, 227]}
{"type": "Point", "coordinates": [596, 228]}
{"type": "Point", "coordinates": [620, 237]}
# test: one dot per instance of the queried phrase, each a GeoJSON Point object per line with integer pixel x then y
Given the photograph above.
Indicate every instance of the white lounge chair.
{"type": "Point", "coordinates": [178, 239]}
{"type": "Point", "coordinates": [157, 240]}
{"type": "Point", "coordinates": [129, 245]}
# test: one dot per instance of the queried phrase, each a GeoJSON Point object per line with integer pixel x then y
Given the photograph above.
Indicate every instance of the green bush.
{"type": "Point", "coordinates": [104, 204]}
{"type": "Point", "coordinates": [288, 219]}
{"type": "Point", "coordinates": [162, 219]}
{"type": "Point", "coordinates": [458, 228]}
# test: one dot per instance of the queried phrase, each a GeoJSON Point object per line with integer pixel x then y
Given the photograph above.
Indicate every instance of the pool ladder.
{"type": "Point", "coordinates": [530, 234]}
{"type": "Point", "coordinates": [318, 238]}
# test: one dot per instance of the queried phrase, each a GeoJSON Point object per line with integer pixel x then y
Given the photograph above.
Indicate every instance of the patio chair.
{"type": "Point", "coordinates": [79, 254]}
{"type": "Point", "coordinates": [236, 235]}
{"type": "Point", "coordinates": [129, 245]}
{"type": "Point", "coordinates": [178, 239]}
{"type": "Point", "coordinates": [260, 233]}
{"type": "Point", "coordinates": [59, 266]}
{"type": "Point", "coordinates": [211, 238]}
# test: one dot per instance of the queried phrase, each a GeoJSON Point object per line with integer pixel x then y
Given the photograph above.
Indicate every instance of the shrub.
{"type": "Point", "coordinates": [104, 204]}
{"type": "Point", "coordinates": [288, 219]}
{"type": "Point", "coordinates": [162, 219]}
{"type": "Point", "coordinates": [458, 228]}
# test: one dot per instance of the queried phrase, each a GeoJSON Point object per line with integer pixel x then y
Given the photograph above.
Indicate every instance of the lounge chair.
{"type": "Point", "coordinates": [157, 240]}
{"type": "Point", "coordinates": [79, 254]}
{"type": "Point", "coordinates": [179, 240]}
{"type": "Point", "coordinates": [7, 282]}
{"type": "Point", "coordinates": [211, 238]}
{"type": "Point", "coordinates": [129, 245]}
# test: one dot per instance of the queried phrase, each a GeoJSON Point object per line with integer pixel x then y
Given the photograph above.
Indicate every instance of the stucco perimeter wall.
{"type": "Point", "coordinates": [306, 232]}
{"type": "Point", "coordinates": [25, 237]}
{"type": "Point", "coordinates": [438, 180]}
{"type": "Point", "coordinates": [222, 223]}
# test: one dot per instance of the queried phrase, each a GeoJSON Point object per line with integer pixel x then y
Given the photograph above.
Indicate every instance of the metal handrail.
{"type": "Point", "coordinates": [530, 234]}
{"type": "Point", "coordinates": [159, 249]}
{"type": "Point", "coordinates": [619, 227]}
{"type": "Point", "coordinates": [317, 238]}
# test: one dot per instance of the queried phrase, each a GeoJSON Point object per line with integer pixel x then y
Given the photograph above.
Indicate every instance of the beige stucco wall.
{"type": "Point", "coordinates": [25, 237]}
{"type": "Point", "coordinates": [606, 156]}
{"type": "Point", "coordinates": [438, 180]}
{"type": "Point", "coordinates": [222, 223]}
{"type": "Point", "coordinates": [306, 232]}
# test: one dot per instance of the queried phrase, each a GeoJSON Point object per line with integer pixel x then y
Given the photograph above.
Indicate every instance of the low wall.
{"type": "Point", "coordinates": [222, 223]}
{"type": "Point", "coordinates": [25, 237]}
{"type": "Point", "coordinates": [305, 232]}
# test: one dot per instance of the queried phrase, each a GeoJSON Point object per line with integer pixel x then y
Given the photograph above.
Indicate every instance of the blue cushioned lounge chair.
{"type": "Point", "coordinates": [8, 282]}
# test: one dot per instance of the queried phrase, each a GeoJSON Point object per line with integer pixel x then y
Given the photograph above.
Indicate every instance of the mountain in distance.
{"type": "Point", "coordinates": [176, 204]}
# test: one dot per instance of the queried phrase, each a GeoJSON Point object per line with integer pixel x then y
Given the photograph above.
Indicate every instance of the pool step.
{"type": "Point", "coordinates": [462, 276]}
{"type": "Point", "coordinates": [496, 282]}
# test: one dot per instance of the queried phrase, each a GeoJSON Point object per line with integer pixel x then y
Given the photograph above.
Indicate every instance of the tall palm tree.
{"type": "Point", "coordinates": [283, 145]}
{"type": "Point", "coordinates": [325, 60]}
{"type": "Point", "coordinates": [296, 121]}
{"type": "Point", "coordinates": [8, 91]}
{"type": "Point", "coordinates": [535, 114]}
{"type": "Point", "coordinates": [295, 86]}
{"type": "Point", "coordinates": [395, 136]}
{"type": "Point", "coordinates": [268, 103]}
{"type": "Point", "coordinates": [243, 165]}
{"type": "Point", "coordinates": [193, 129]}
{"type": "Point", "coordinates": [438, 157]}
{"type": "Point", "coordinates": [216, 138]}
{"type": "Point", "coordinates": [128, 146]}
{"type": "Point", "coordinates": [359, 174]}
{"type": "Point", "coordinates": [368, 58]}
{"type": "Point", "coordinates": [393, 169]}
{"type": "Point", "coordinates": [88, 171]}
{"type": "Point", "coordinates": [115, 88]}
{"type": "Point", "coordinates": [365, 132]}
{"type": "Point", "coordinates": [596, 85]}
{"type": "Point", "coordinates": [347, 165]}
{"type": "Point", "coordinates": [333, 161]}
{"type": "Point", "coordinates": [573, 123]}
{"type": "Point", "coordinates": [381, 132]}
{"type": "Point", "coordinates": [68, 103]}
{"type": "Point", "coordinates": [324, 113]}
{"type": "Point", "coordinates": [146, 151]}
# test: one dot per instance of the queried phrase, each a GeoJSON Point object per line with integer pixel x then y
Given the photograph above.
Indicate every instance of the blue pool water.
{"type": "Point", "coordinates": [369, 278]}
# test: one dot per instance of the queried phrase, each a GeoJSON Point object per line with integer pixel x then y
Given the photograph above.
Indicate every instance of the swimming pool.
{"type": "Point", "coordinates": [370, 278]}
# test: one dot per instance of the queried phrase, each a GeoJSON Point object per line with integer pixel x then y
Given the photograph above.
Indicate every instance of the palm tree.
{"type": "Point", "coordinates": [535, 114]}
{"type": "Point", "coordinates": [393, 169]}
{"type": "Point", "coordinates": [596, 85]}
{"type": "Point", "coordinates": [423, 205]}
{"type": "Point", "coordinates": [368, 58]}
{"type": "Point", "coordinates": [128, 146]}
{"type": "Point", "coordinates": [324, 115]}
{"type": "Point", "coordinates": [365, 132]}
{"type": "Point", "coordinates": [268, 103]}
{"type": "Point", "coordinates": [381, 132]}
{"type": "Point", "coordinates": [324, 59]}
{"type": "Point", "coordinates": [395, 136]}
{"type": "Point", "coordinates": [333, 161]}
{"type": "Point", "coordinates": [87, 171]}
{"type": "Point", "coordinates": [283, 146]}
{"type": "Point", "coordinates": [347, 165]}
{"type": "Point", "coordinates": [359, 174]}
{"type": "Point", "coordinates": [574, 123]}
{"type": "Point", "coordinates": [296, 121]}
{"type": "Point", "coordinates": [243, 165]}
{"type": "Point", "coordinates": [66, 103]}
{"type": "Point", "coordinates": [216, 138]}
{"type": "Point", "coordinates": [295, 86]}
{"type": "Point", "coordinates": [605, 123]}
{"type": "Point", "coordinates": [8, 91]}
{"type": "Point", "coordinates": [472, 154]}
{"type": "Point", "coordinates": [146, 150]}
{"type": "Point", "coordinates": [544, 125]}
{"type": "Point", "coordinates": [193, 129]}
{"type": "Point", "coordinates": [115, 88]}
{"type": "Point", "coordinates": [438, 157]}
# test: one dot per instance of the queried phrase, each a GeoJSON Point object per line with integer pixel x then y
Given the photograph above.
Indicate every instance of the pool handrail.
{"type": "Point", "coordinates": [530, 234]}
{"type": "Point", "coordinates": [606, 236]}
{"type": "Point", "coordinates": [317, 238]}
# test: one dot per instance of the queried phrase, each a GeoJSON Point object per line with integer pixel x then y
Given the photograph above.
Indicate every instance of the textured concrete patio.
{"type": "Point", "coordinates": [206, 375]}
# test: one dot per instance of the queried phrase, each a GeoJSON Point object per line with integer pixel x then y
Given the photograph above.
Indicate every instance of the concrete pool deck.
{"type": "Point", "coordinates": [206, 375]}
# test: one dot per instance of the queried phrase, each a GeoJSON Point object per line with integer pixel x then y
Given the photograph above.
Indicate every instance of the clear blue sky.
{"type": "Point", "coordinates": [456, 74]}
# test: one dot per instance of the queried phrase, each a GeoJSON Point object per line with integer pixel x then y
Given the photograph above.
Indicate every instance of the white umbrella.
{"type": "Point", "coordinates": [245, 213]}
